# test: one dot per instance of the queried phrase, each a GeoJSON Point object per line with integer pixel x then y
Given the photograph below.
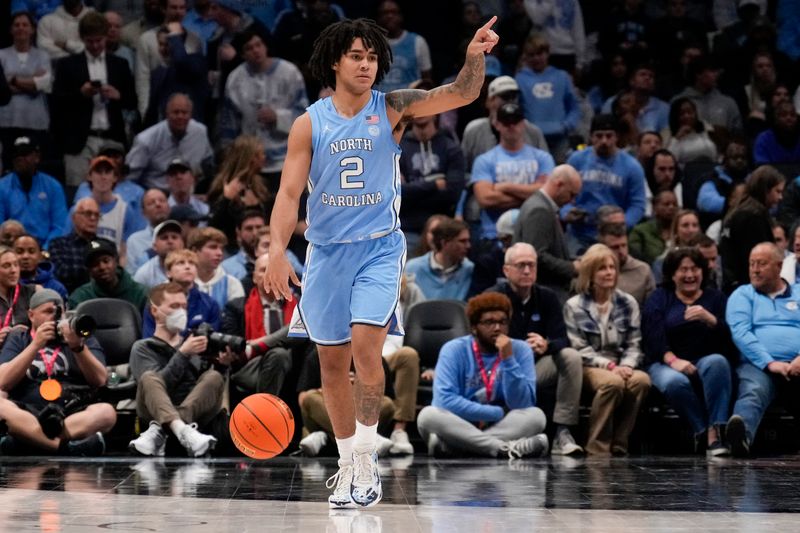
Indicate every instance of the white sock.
{"type": "Point", "coordinates": [366, 437]}
{"type": "Point", "coordinates": [345, 447]}
{"type": "Point", "coordinates": [177, 425]}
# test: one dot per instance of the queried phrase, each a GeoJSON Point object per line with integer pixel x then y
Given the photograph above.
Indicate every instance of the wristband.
{"type": "Point", "coordinates": [671, 359]}
{"type": "Point", "coordinates": [612, 365]}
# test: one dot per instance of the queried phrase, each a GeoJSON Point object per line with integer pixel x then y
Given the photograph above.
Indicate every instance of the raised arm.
{"type": "Point", "coordinates": [405, 104]}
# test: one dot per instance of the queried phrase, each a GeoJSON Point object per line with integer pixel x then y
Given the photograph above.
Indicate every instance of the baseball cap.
{"type": "Point", "coordinates": [505, 223]}
{"type": "Point", "coordinates": [103, 161]}
{"type": "Point", "coordinates": [98, 248]}
{"type": "Point", "coordinates": [178, 164]}
{"type": "Point", "coordinates": [44, 296]}
{"type": "Point", "coordinates": [112, 149]}
{"type": "Point", "coordinates": [502, 84]}
{"type": "Point", "coordinates": [23, 146]}
{"type": "Point", "coordinates": [510, 113]}
{"type": "Point", "coordinates": [170, 224]}
{"type": "Point", "coordinates": [185, 213]}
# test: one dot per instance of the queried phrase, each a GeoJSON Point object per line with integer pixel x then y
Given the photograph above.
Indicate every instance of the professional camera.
{"type": "Point", "coordinates": [217, 342]}
{"type": "Point", "coordinates": [82, 325]}
{"type": "Point", "coordinates": [75, 398]}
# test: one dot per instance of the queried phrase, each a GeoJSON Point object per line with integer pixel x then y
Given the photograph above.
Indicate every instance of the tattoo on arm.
{"type": "Point", "coordinates": [400, 100]}
{"type": "Point", "coordinates": [470, 78]}
{"type": "Point", "coordinates": [368, 400]}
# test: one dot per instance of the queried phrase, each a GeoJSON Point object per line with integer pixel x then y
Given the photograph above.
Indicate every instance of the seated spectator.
{"type": "Point", "coordinates": [178, 135]}
{"type": "Point", "coordinates": [411, 56]}
{"type": "Point", "coordinates": [712, 107]}
{"type": "Point", "coordinates": [648, 240]}
{"type": "Point", "coordinates": [181, 180]}
{"type": "Point", "coordinates": [139, 246]}
{"type": "Point", "coordinates": [689, 139]}
{"type": "Point", "coordinates": [748, 224]}
{"type": "Point", "coordinates": [685, 227]}
{"type": "Point", "coordinates": [262, 247]}
{"type": "Point", "coordinates": [187, 217]}
{"type": "Point", "coordinates": [68, 253]}
{"type": "Point", "coordinates": [68, 360]}
{"type": "Point", "coordinates": [484, 394]}
{"type": "Point", "coordinates": [14, 296]}
{"type": "Point", "coordinates": [9, 231]}
{"type": "Point", "coordinates": [509, 173]}
{"type": "Point", "coordinates": [250, 222]}
{"type": "Point", "coordinates": [538, 225]}
{"type": "Point", "coordinates": [764, 318]}
{"type": "Point", "coordinates": [789, 268]}
{"type": "Point", "coordinates": [445, 272]}
{"type": "Point", "coordinates": [686, 340]}
{"type": "Point", "coordinates": [426, 236]}
{"type": "Point", "coordinates": [537, 318]}
{"type": "Point", "coordinates": [779, 234]}
{"type": "Point", "coordinates": [662, 173]}
{"type": "Point", "coordinates": [108, 279]}
{"type": "Point", "coordinates": [652, 113]}
{"type": "Point", "coordinates": [178, 388]}
{"type": "Point", "coordinates": [781, 143]}
{"type": "Point", "coordinates": [199, 21]}
{"type": "Point", "coordinates": [181, 268]}
{"type": "Point", "coordinates": [603, 325]}
{"type": "Point", "coordinates": [648, 143]}
{"type": "Point", "coordinates": [167, 237]}
{"type": "Point", "coordinates": [32, 197]}
{"type": "Point", "coordinates": [57, 32]}
{"type": "Point", "coordinates": [34, 268]}
{"type": "Point", "coordinates": [633, 276]}
{"type": "Point", "coordinates": [713, 194]}
{"type": "Point", "coordinates": [490, 257]}
{"type": "Point", "coordinates": [209, 245]}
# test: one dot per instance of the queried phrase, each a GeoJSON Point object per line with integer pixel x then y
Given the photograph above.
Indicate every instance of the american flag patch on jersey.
{"type": "Point", "coordinates": [372, 119]}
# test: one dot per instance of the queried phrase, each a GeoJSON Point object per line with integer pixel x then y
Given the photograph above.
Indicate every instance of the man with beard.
{"type": "Point", "coordinates": [240, 265]}
{"type": "Point", "coordinates": [108, 279]}
{"type": "Point", "coordinates": [713, 194]}
{"type": "Point", "coordinates": [484, 395]}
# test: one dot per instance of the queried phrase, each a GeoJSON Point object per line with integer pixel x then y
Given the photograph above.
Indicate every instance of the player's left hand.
{"type": "Point", "coordinates": [484, 40]}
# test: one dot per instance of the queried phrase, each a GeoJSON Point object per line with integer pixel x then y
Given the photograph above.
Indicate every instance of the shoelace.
{"type": "Point", "coordinates": [339, 480]}
{"type": "Point", "coordinates": [362, 469]}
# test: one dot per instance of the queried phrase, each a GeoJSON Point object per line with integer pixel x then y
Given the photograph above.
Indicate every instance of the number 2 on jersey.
{"type": "Point", "coordinates": [354, 166]}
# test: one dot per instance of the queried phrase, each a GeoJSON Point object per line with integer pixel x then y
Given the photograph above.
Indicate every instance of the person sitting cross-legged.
{"type": "Point", "coordinates": [484, 394]}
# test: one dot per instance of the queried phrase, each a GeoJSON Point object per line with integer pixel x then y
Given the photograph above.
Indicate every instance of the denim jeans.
{"type": "Point", "coordinates": [714, 375]}
{"type": "Point", "coordinates": [757, 388]}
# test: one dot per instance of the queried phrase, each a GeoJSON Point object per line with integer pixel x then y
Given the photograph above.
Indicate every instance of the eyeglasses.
{"type": "Point", "coordinates": [89, 214]}
{"type": "Point", "coordinates": [502, 322]}
{"type": "Point", "coordinates": [522, 265]}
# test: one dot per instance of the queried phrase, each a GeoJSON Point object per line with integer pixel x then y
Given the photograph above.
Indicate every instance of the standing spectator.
{"type": "Point", "coordinates": [181, 181]}
{"type": "Point", "coordinates": [263, 97]}
{"type": "Point", "coordinates": [177, 136]}
{"type": "Point", "coordinates": [114, 44]}
{"type": "Point", "coordinates": [445, 272]}
{"type": "Point", "coordinates": [58, 33]}
{"type": "Point", "coordinates": [509, 173]}
{"type": "Point", "coordinates": [199, 21]}
{"type": "Point", "coordinates": [712, 106]}
{"type": "Point", "coordinates": [603, 325]}
{"type": "Point", "coordinates": [138, 247]}
{"type": "Point", "coordinates": [714, 192]}
{"type": "Point", "coordinates": [539, 226]}
{"type": "Point", "coordinates": [689, 138]}
{"type": "Point", "coordinates": [90, 92]}
{"type": "Point", "coordinates": [250, 223]}
{"type": "Point", "coordinates": [37, 8]}
{"type": "Point", "coordinates": [634, 277]}
{"type": "Point", "coordinates": [474, 413]}
{"type": "Point", "coordinates": [30, 78]}
{"type": "Point", "coordinates": [432, 166]}
{"type": "Point", "coordinates": [764, 317]}
{"type": "Point", "coordinates": [561, 23]}
{"type": "Point", "coordinates": [150, 16]}
{"type": "Point", "coordinates": [209, 245]}
{"type": "Point", "coordinates": [610, 177]}
{"type": "Point", "coordinates": [32, 197]}
{"type": "Point", "coordinates": [537, 319]}
{"type": "Point", "coordinates": [411, 57]}
{"type": "Point", "coordinates": [748, 224]}
{"type": "Point", "coordinates": [547, 96]}
{"type": "Point", "coordinates": [68, 253]}
{"type": "Point", "coordinates": [108, 279]}
{"type": "Point", "coordinates": [33, 268]}
{"type": "Point", "coordinates": [167, 237]}
{"type": "Point", "coordinates": [648, 239]}
{"type": "Point", "coordinates": [781, 143]}
{"type": "Point", "coordinates": [686, 340]}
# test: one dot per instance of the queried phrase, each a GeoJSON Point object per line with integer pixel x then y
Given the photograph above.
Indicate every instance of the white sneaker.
{"type": "Point", "coordinates": [340, 483]}
{"type": "Point", "coordinates": [366, 489]}
{"type": "Point", "coordinates": [535, 446]}
{"type": "Point", "coordinates": [151, 443]}
{"type": "Point", "coordinates": [197, 444]}
{"type": "Point", "coordinates": [400, 443]}
{"type": "Point", "coordinates": [313, 443]}
{"type": "Point", "coordinates": [434, 445]}
{"type": "Point", "coordinates": [383, 445]}
{"type": "Point", "coordinates": [564, 444]}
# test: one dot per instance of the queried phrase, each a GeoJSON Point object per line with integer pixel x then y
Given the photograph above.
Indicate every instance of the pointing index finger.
{"type": "Point", "coordinates": [489, 24]}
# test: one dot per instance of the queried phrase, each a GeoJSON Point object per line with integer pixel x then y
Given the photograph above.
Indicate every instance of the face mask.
{"type": "Point", "coordinates": [176, 321]}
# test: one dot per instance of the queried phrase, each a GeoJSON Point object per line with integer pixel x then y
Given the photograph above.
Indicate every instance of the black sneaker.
{"type": "Point", "coordinates": [717, 449]}
{"type": "Point", "coordinates": [9, 446]}
{"type": "Point", "coordinates": [92, 446]}
{"type": "Point", "coordinates": [736, 433]}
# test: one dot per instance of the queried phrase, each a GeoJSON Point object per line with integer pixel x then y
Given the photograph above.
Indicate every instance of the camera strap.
{"type": "Point", "coordinates": [10, 312]}
{"type": "Point", "coordinates": [50, 389]}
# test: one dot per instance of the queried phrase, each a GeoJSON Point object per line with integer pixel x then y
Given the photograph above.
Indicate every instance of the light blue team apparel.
{"type": "Point", "coordinates": [356, 253]}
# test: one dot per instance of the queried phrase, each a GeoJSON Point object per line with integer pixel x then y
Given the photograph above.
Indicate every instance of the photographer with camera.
{"type": "Point", "coordinates": [178, 387]}
{"type": "Point", "coordinates": [40, 369]}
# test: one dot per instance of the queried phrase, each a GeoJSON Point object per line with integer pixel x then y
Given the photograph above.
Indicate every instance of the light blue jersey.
{"type": "Point", "coordinates": [354, 183]}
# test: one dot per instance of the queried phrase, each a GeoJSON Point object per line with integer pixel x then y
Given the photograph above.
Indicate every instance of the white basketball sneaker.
{"type": "Point", "coordinates": [366, 489]}
{"type": "Point", "coordinates": [340, 483]}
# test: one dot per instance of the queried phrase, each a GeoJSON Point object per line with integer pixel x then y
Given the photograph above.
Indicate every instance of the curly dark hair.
{"type": "Point", "coordinates": [673, 260]}
{"type": "Point", "coordinates": [486, 302]}
{"type": "Point", "coordinates": [336, 40]}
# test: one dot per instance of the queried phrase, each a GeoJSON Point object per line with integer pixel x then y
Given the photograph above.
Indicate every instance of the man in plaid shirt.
{"type": "Point", "coordinates": [68, 253]}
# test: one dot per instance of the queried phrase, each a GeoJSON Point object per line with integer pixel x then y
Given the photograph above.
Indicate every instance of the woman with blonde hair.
{"type": "Point", "coordinates": [238, 185]}
{"type": "Point", "coordinates": [603, 325]}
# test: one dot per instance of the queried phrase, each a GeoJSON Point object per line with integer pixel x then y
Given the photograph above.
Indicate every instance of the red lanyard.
{"type": "Point", "coordinates": [49, 364]}
{"type": "Point", "coordinates": [7, 320]}
{"type": "Point", "coordinates": [488, 380]}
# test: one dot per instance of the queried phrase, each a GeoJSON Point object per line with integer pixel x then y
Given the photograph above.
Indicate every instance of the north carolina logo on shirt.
{"type": "Point", "coordinates": [374, 131]}
{"type": "Point", "coordinates": [791, 305]}
{"type": "Point", "coordinates": [543, 90]}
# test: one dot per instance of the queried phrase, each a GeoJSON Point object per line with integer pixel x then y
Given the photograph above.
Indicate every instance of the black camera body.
{"type": "Point", "coordinates": [217, 342]}
{"type": "Point", "coordinates": [82, 325]}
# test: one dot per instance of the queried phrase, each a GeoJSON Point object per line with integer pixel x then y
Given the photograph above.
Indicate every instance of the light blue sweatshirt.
{"type": "Point", "coordinates": [548, 100]}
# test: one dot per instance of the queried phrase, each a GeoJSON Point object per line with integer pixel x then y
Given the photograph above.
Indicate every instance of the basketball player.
{"type": "Point", "coordinates": [345, 147]}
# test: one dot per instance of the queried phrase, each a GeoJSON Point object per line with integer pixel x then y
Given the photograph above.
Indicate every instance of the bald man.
{"type": "Point", "coordinates": [68, 253]}
{"type": "Point", "coordinates": [538, 225]}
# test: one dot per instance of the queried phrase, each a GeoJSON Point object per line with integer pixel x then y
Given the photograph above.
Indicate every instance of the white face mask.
{"type": "Point", "coordinates": [176, 321]}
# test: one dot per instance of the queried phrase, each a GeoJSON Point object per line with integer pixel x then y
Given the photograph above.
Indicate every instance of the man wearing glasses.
{"type": "Point", "coordinates": [536, 318]}
{"type": "Point", "coordinates": [68, 253]}
{"type": "Point", "coordinates": [484, 395]}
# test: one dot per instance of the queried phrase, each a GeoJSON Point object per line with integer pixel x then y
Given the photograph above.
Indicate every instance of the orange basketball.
{"type": "Point", "coordinates": [262, 426]}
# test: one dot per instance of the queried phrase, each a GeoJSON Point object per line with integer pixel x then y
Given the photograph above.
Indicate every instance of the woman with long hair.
{"type": "Point", "coordinates": [689, 136]}
{"type": "Point", "coordinates": [14, 296]}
